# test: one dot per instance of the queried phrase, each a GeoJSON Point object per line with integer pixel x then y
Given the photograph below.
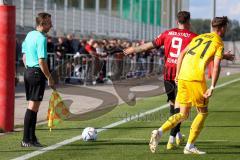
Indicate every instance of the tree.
{"type": "Point", "coordinates": [233, 32]}
{"type": "Point", "coordinates": [200, 26]}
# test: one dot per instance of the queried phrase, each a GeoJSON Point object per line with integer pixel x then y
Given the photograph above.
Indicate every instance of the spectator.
{"type": "Point", "coordinates": [50, 49]}
{"type": "Point", "coordinates": [141, 61]}
{"type": "Point", "coordinates": [50, 45]}
{"type": "Point", "coordinates": [90, 49]}
{"type": "Point", "coordinates": [60, 49]}
{"type": "Point", "coordinates": [71, 44]}
{"type": "Point", "coordinates": [81, 47]}
{"type": "Point", "coordinates": [68, 44]}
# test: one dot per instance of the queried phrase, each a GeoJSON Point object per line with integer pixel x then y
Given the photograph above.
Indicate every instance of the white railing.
{"type": "Point", "coordinates": [84, 22]}
{"type": "Point", "coordinates": [86, 69]}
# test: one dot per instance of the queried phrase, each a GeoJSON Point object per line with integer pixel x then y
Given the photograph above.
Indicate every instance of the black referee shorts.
{"type": "Point", "coordinates": [170, 89]}
{"type": "Point", "coordinates": [34, 81]}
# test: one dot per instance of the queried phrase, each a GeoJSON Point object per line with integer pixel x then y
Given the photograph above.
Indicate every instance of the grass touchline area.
{"type": "Point", "coordinates": [111, 126]}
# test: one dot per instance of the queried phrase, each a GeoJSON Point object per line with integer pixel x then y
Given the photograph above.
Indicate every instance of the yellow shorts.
{"type": "Point", "coordinates": [190, 93]}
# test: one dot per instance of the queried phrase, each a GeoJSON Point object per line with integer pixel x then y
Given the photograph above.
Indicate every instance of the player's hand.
{"type": "Point", "coordinates": [208, 93]}
{"type": "Point", "coordinates": [51, 83]}
{"type": "Point", "coordinates": [128, 51]}
{"type": "Point", "coordinates": [228, 55]}
{"type": "Point", "coordinates": [176, 80]}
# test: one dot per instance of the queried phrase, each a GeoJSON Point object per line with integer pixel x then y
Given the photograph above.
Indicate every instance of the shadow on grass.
{"type": "Point", "coordinates": [19, 150]}
{"type": "Point", "coordinates": [228, 126]}
{"type": "Point", "coordinates": [223, 111]}
{"type": "Point", "coordinates": [230, 153]}
{"type": "Point", "coordinates": [115, 128]}
{"type": "Point", "coordinates": [220, 146]}
{"type": "Point", "coordinates": [113, 143]}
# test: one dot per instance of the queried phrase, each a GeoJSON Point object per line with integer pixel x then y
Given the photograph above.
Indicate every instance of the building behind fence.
{"type": "Point", "coordinates": [131, 19]}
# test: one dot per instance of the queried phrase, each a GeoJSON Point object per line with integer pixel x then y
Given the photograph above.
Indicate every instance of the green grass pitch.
{"type": "Point", "coordinates": [219, 138]}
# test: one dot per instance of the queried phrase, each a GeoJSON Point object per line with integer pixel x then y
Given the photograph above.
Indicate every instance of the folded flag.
{"type": "Point", "coordinates": [57, 110]}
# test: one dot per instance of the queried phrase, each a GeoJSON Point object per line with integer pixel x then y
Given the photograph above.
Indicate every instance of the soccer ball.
{"type": "Point", "coordinates": [89, 134]}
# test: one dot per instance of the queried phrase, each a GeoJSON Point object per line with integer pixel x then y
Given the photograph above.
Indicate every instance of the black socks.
{"type": "Point", "coordinates": [172, 111]}
{"type": "Point", "coordinates": [176, 129]}
{"type": "Point", "coordinates": [30, 121]}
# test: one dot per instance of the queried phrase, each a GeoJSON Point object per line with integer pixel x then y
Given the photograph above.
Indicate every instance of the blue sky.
{"type": "Point", "coordinates": [203, 8]}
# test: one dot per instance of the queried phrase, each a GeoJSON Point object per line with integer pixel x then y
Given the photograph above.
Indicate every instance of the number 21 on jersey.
{"type": "Point", "coordinates": [200, 43]}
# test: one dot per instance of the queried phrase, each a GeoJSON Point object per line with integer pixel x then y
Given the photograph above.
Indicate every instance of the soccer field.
{"type": "Point", "coordinates": [129, 139]}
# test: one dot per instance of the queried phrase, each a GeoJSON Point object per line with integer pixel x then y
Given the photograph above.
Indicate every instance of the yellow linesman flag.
{"type": "Point", "coordinates": [57, 110]}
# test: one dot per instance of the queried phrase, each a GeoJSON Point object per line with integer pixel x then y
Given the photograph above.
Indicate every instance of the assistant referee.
{"type": "Point", "coordinates": [34, 49]}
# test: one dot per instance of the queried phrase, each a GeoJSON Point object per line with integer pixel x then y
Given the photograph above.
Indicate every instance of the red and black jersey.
{"type": "Point", "coordinates": [174, 41]}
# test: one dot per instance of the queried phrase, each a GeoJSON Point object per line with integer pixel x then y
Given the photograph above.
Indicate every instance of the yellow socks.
{"type": "Point", "coordinates": [196, 127]}
{"type": "Point", "coordinates": [173, 121]}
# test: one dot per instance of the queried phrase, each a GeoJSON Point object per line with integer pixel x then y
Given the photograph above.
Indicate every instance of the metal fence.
{"type": "Point", "coordinates": [81, 21]}
{"type": "Point", "coordinates": [84, 69]}
{"type": "Point", "coordinates": [234, 47]}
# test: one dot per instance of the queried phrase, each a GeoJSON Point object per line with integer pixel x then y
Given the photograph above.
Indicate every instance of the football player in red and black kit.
{"type": "Point", "coordinates": [174, 41]}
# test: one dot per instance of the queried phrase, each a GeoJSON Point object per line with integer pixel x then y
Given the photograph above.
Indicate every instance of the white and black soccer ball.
{"type": "Point", "coordinates": [89, 134]}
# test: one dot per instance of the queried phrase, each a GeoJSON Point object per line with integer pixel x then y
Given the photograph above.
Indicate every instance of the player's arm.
{"type": "Point", "coordinates": [142, 48]}
{"type": "Point", "coordinates": [24, 60]}
{"type": "Point", "coordinates": [44, 67]}
{"type": "Point", "coordinates": [228, 56]}
{"type": "Point", "coordinates": [215, 75]}
{"type": "Point", "coordinates": [179, 61]}
{"type": "Point", "coordinates": [42, 56]}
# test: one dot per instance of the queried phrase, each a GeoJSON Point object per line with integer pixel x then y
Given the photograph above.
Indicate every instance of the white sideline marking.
{"type": "Point", "coordinates": [68, 141]}
{"type": "Point", "coordinates": [227, 83]}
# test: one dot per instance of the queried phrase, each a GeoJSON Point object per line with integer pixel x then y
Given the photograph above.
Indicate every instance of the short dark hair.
{"type": "Point", "coordinates": [219, 22]}
{"type": "Point", "coordinates": [41, 17]}
{"type": "Point", "coordinates": [183, 17]}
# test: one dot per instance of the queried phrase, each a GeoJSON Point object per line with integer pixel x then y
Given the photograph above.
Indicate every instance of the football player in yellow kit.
{"type": "Point", "coordinates": [192, 88]}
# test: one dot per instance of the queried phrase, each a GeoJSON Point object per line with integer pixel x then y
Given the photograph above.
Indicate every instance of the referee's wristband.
{"type": "Point", "coordinates": [212, 88]}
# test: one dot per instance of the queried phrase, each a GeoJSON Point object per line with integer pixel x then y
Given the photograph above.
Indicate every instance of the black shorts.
{"type": "Point", "coordinates": [170, 89]}
{"type": "Point", "coordinates": [34, 81]}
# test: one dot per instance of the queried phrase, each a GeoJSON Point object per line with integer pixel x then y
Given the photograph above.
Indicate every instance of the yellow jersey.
{"type": "Point", "coordinates": [201, 50]}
